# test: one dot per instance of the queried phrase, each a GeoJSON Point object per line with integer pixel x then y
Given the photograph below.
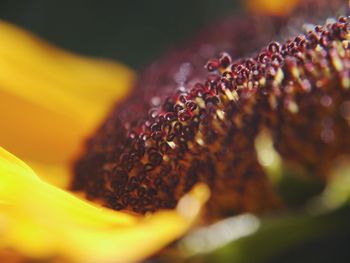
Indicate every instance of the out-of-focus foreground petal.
{"type": "Point", "coordinates": [41, 221]}
{"type": "Point", "coordinates": [271, 7]}
{"type": "Point", "coordinates": [51, 99]}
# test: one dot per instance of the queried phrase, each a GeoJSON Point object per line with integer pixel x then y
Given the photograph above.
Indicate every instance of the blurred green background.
{"type": "Point", "coordinates": [134, 32]}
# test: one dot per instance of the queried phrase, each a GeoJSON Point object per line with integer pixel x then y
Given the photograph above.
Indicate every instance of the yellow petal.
{"type": "Point", "coordinates": [272, 7]}
{"type": "Point", "coordinates": [42, 221]}
{"type": "Point", "coordinates": [51, 99]}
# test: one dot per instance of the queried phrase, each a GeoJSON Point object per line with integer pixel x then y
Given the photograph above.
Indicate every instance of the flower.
{"type": "Point", "coordinates": [50, 101]}
{"type": "Point", "coordinates": [42, 221]}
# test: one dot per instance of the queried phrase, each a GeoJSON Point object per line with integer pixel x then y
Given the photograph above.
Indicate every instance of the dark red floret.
{"type": "Point", "coordinates": [194, 126]}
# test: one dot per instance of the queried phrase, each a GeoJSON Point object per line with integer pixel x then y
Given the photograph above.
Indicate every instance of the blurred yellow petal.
{"type": "Point", "coordinates": [42, 221]}
{"type": "Point", "coordinates": [56, 174]}
{"type": "Point", "coordinates": [51, 99]}
{"type": "Point", "coordinates": [272, 7]}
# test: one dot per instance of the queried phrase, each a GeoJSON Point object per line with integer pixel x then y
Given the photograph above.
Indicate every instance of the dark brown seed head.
{"type": "Point", "coordinates": [205, 130]}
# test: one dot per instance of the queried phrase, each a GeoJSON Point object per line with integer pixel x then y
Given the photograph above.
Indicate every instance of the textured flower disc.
{"type": "Point", "coordinates": [186, 126]}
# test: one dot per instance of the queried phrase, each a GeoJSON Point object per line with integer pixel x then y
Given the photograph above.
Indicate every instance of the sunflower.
{"type": "Point", "coordinates": [52, 101]}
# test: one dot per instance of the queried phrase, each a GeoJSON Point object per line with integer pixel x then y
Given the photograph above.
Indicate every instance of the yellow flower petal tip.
{"type": "Point", "coordinates": [40, 221]}
{"type": "Point", "coordinates": [190, 205]}
{"type": "Point", "coordinates": [51, 99]}
{"type": "Point", "coordinates": [272, 7]}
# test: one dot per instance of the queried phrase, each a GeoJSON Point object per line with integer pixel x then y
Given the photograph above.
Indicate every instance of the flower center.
{"type": "Point", "coordinates": [148, 153]}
